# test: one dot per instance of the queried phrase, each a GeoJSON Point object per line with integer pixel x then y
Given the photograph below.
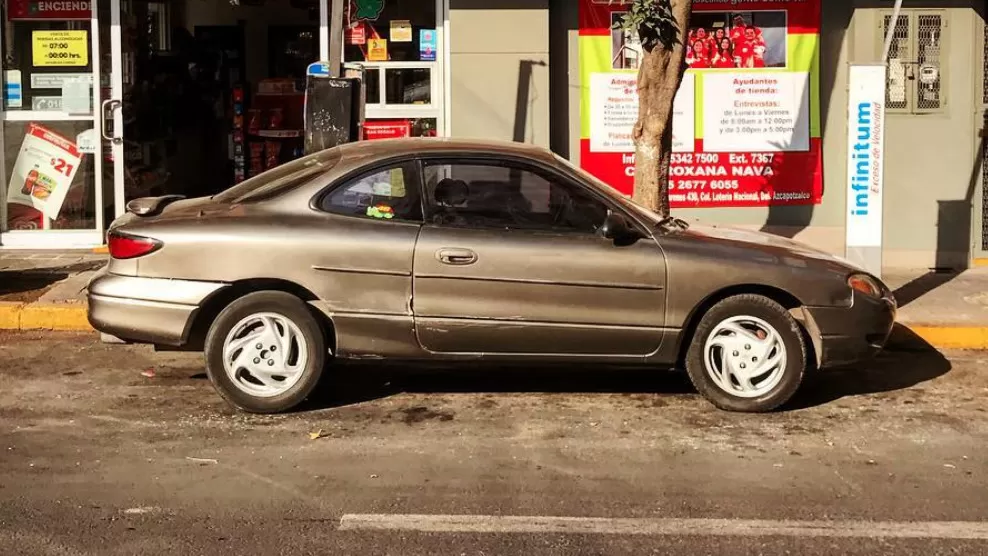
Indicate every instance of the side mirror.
{"type": "Point", "coordinates": [618, 229]}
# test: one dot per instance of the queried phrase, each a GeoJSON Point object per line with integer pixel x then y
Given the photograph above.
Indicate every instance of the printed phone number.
{"type": "Point", "coordinates": [714, 158]}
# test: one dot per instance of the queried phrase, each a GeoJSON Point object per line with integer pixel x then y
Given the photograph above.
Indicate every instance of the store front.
{"type": "Point", "coordinates": [106, 101]}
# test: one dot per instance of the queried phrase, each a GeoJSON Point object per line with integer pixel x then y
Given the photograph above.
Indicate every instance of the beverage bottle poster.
{"type": "Point", "coordinates": [746, 124]}
{"type": "Point", "coordinates": [43, 171]}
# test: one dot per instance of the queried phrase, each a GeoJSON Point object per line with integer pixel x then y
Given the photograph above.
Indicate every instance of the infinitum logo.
{"type": "Point", "coordinates": [862, 160]}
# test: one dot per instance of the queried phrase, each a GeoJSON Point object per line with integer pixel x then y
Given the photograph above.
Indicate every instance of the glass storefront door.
{"type": "Point", "coordinates": [57, 161]}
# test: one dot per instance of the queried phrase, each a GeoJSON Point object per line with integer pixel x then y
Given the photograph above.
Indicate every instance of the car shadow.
{"type": "Point", "coordinates": [907, 362]}
{"type": "Point", "coordinates": [355, 383]}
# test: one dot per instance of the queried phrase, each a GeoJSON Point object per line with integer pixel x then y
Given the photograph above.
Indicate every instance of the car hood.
{"type": "Point", "coordinates": [787, 250]}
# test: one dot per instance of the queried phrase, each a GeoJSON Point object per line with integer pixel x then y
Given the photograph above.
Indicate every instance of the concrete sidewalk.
{"type": "Point", "coordinates": [46, 290]}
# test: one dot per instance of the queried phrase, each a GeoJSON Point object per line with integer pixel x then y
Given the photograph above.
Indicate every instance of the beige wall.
{"type": "Point", "coordinates": [495, 52]}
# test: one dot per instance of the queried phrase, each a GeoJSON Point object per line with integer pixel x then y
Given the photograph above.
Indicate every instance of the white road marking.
{"type": "Point", "coordinates": [959, 530]}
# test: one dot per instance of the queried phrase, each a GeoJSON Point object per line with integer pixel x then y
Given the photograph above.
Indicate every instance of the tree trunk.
{"type": "Point", "coordinates": [659, 77]}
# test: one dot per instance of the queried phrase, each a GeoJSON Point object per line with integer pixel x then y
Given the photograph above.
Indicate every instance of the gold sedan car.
{"type": "Point", "coordinates": [443, 250]}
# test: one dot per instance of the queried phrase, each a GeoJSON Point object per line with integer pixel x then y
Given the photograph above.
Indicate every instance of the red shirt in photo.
{"type": "Point", "coordinates": [724, 61]}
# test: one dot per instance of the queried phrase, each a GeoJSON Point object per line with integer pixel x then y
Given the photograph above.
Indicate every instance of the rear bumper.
{"type": "Point", "coordinates": [146, 310]}
{"type": "Point", "coordinates": [847, 335]}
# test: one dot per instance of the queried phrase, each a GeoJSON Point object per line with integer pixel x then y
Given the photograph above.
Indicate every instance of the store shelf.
{"type": "Point", "coordinates": [278, 133]}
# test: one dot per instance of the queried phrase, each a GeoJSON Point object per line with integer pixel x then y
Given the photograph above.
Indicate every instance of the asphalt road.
{"type": "Point", "coordinates": [98, 458]}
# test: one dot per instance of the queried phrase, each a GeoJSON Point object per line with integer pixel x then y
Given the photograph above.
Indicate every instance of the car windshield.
{"type": "Point", "coordinates": [606, 189]}
{"type": "Point", "coordinates": [281, 178]}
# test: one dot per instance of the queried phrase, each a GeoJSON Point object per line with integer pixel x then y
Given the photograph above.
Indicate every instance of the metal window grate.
{"type": "Point", "coordinates": [929, 35]}
{"type": "Point", "coordinates": [899, 55]}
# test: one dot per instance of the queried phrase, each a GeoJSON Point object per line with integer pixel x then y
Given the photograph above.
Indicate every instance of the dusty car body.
{"type": "Point", "coordinates": [434, 286]}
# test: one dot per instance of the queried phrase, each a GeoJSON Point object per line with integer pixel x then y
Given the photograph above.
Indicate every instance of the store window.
{"type": "Point", "coordinates": [49, 132]}
{"type": "Point", "coordinates": [398, 44]}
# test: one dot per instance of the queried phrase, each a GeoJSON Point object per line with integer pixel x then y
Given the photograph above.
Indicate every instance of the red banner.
{"type": "Point", "coordinates": [26, 10]}
{"type": "Point", "coordinates": [745, 130]}
{"type": "Point", "coordinates": [387, 129]}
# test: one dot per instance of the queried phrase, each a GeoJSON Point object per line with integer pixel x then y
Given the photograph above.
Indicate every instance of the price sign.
{"type": "Point", "coordinates": [60, 48]}
{"type": "Point", "coordinates": [43, 171]}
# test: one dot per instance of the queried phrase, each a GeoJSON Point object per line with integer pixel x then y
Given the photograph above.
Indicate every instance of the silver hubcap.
{"type": "Point", "coordinates": [265, 354]}
{"type": "Point", "coordinates": [745, 357]}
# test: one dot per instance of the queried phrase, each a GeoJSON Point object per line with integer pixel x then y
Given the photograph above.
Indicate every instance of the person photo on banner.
{"type": "Point", "coordinates": [740, 28]}
{"type": "Point", "coordinates": [699, 34]}
{"type": "Point", "coordinates": [715, 40]}
{"type": "Point", "coordinates": [724, 57]}
{"type": "Point", "coordinates": [697, 57]}
{"type": "Point", "coordinates": [751, 50]}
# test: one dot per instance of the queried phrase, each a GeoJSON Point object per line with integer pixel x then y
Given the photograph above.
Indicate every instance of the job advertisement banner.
{"type": "Point", "coordinates": [746, 124]}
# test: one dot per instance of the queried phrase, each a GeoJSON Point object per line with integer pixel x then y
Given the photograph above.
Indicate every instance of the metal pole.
{"type": "Point", "coordinates": [336, 38]}
{"type": "Point", "coordinates": [890, 34]}
{"type": "Point", "coordinates": [324, 31]}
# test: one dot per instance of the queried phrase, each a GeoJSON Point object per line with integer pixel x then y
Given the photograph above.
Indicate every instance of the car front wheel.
{"type": "Point", "coordinates": [748, 354]}
{"type": "Point", "coordinates": [265, 352]}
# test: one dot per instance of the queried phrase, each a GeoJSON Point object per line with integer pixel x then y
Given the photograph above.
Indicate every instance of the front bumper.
{"type": "Point", "coordinates": [148, 310]}
{"type": "Point", "coordinates": [847, 335]}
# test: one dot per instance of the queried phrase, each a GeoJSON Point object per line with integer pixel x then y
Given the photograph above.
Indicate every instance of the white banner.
{"type": "Point", "coordinates": [43, 172]}
{"type": "Point", "coordinates": [760, 112]}
{"type": "Point", "coordinates": [865, 157]}
{"type": "Point", "coordinates": [614, 111]}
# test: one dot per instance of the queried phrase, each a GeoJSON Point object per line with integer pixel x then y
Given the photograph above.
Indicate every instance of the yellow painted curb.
{"type": "Point", "coordinates": [10, 315]}
{"type": "Point", "coordinates": [18, 316]}
{"type": "Point", "coordinates": [54, 317]}
{"type": "Point", "coordinates": [953, 337]}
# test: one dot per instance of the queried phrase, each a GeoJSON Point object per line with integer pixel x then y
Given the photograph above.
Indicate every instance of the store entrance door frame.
{"type": "Point", "coordinates": [46, 237]}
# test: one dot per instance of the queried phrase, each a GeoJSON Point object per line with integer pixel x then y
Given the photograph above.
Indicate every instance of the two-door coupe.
{"type": "Point", "coordinates": [452, 250]}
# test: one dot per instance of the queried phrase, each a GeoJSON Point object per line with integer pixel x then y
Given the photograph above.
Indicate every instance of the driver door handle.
{"type": "Point", "coordinates": [457, 257]}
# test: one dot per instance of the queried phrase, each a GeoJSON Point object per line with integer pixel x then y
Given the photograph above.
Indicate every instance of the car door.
{"type": "Point", "coordinates": [510, 260]}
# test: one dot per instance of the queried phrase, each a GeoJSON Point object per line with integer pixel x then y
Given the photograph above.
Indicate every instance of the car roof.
{"type": "Point", "coordinates": [386, 148]}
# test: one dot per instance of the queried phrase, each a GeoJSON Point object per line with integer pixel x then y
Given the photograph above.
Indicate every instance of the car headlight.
{"type": "Point", "coordinates": [865, 284]}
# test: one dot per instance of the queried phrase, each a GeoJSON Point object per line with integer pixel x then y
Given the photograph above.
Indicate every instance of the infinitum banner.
{"type": "Point", "coordinates": [746, 129]}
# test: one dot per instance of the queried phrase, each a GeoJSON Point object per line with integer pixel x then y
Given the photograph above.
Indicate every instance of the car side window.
{"type": "Point", "coordinates": [505, 196]}
{"type": "Point", "coordinates": [385, 194]}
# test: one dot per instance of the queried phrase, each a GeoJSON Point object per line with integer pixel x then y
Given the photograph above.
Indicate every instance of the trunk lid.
{"type": "Point", "coordinates": [167, 207]}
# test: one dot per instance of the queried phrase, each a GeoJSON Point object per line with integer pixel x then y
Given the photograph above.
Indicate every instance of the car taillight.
{"type": "Point", "coordinates": [123, 246]}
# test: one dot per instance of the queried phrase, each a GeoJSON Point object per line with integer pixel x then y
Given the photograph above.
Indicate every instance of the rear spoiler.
{"type": "Point", "coordinates": [150, 206]}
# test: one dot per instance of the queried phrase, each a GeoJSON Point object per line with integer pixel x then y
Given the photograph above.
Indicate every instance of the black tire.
{"type": "Point", "coordinates": [283, 304]}
{"type": "Point", "coordinates": [789, 331]}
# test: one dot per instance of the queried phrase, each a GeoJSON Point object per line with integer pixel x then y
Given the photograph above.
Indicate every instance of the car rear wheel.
{"type": "Point", "coordinates": [748, 354]}
{"type": "Point", "coordinates": [265, 352]}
